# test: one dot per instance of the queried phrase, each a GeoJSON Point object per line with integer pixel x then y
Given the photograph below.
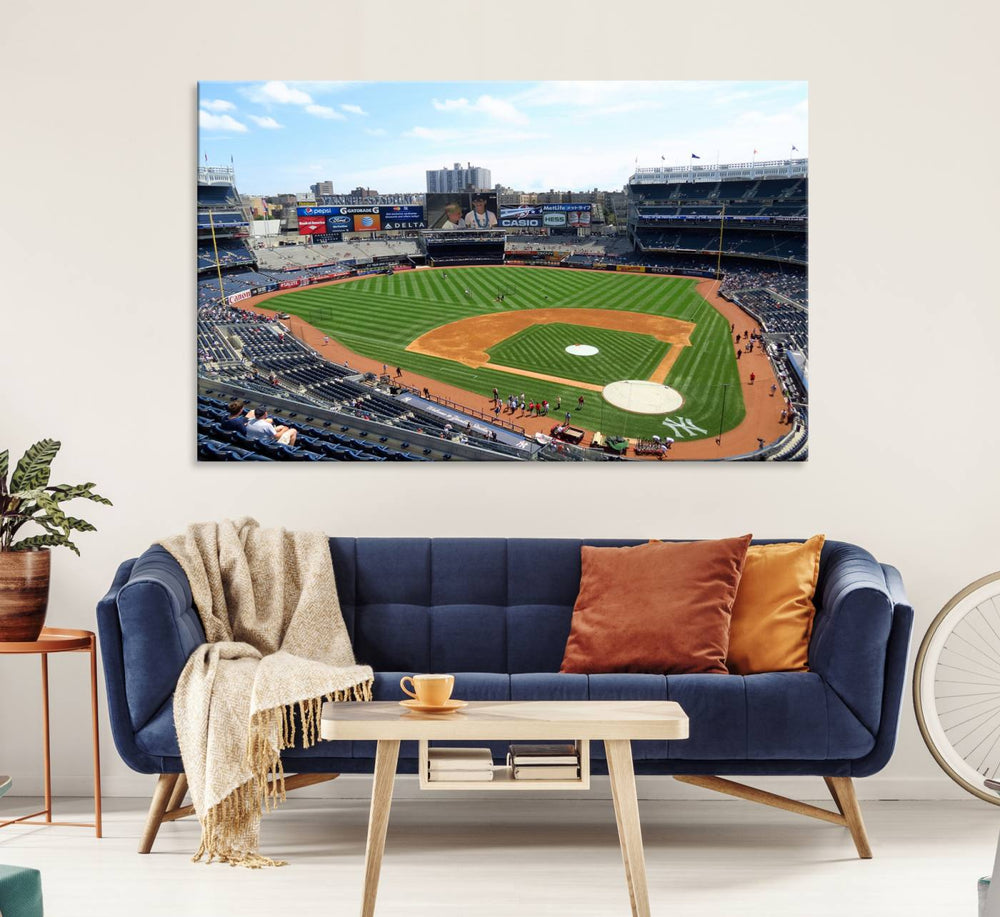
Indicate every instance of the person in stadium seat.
{"type": "Point", "coordinates": [479, 217]}
{"type": "Point", "coordinates": [453, 217]}
{"type": "Point", "coordinates": [236, 420]}
{"type": "Point", "coordinates": [262, 427]}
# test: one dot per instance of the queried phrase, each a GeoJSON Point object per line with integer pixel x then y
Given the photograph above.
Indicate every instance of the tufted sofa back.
{"type": "Point", "coordinates": [459, 604]}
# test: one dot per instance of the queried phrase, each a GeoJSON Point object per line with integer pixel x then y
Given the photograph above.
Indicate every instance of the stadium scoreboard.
{"type": "Point", "coordinates": [442, 211]}
{"type": "Point", "coordinates": [552, 216]}
{"type": "Point", "coordinates": [359, 218]}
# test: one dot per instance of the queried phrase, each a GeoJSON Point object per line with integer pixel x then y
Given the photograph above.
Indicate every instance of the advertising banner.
{"type": "Point", "coordinates": [239, 297]}
{"type": "Point", "coordinates": [288, 284]}
{"type": "Point", "coordinates": [311, 224]}
{"type": "Point", "coordinates": [631, 268]}
{"type": "Point", "coordinates": [566, 208]}
{"type": "Point", "coordinates": [402, 217]}
{"type": "Point", "coordinates": [462, 210]}
{"type": "Point", "coordinates": [361, 218]}
{"type": "Point", "coordinates": [521, 216]}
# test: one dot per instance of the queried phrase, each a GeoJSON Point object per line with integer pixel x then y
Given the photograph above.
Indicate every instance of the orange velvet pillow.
{"type": "Point", "coordinates": [660, 608]}
{"type": "Point", "coordinates": [773, 613]}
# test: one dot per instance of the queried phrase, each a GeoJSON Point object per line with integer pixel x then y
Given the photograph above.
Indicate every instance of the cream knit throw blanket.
{"type": "Point", "coordinates": [277, 646]}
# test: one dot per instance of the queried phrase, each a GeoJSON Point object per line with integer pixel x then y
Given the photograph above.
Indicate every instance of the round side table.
{"type": "Point", "coordinates": [61, 640]}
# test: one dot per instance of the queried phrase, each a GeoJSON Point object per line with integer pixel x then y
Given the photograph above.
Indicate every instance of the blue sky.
{"type": "Point", "coordinates": [286, 135]}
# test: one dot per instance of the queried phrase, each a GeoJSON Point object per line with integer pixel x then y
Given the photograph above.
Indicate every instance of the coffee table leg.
{"type": "Point", "coordinates": [619, 754]}
{"type": "Point", "coordinates": [386, 756]}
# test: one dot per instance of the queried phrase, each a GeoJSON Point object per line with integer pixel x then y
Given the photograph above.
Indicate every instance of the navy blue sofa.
{"type": "Point", "coordinates": [497, 613]}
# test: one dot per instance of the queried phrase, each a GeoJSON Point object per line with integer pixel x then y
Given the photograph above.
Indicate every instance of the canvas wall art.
{"type": "Point", "coordinates": [504, 272]}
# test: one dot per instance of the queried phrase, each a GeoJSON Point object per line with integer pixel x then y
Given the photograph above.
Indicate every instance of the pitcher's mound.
{"type": "Point", "coordinates": [642, 397]}
{"type": "Point", "coordinates": [582, 350]}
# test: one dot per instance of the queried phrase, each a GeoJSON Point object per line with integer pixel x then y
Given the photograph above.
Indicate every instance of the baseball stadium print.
{"type": "Point", "coordinates": [503, 271]}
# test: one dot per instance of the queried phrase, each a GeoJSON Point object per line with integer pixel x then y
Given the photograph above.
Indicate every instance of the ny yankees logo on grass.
{"type": "Point", "coordinates": [681, 427]}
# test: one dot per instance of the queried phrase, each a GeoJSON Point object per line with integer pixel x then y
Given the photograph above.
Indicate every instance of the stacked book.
{"type": "Point", "coordinates": [456, 765]}
{"type": "Point", "coordinates": [544, 762]}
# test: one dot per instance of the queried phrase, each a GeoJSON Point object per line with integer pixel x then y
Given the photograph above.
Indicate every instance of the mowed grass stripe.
{"type": "Point", "coordinates": [379, 315]}
{"type": "Point", "coordinates": [620, 354]}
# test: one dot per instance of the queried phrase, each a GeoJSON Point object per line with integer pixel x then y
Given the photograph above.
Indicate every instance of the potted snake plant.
{"type": "Point", "coordinates": [27, 497]}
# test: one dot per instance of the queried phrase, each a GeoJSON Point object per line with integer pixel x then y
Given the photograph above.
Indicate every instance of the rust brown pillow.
{"type": "Point", "coordinates": [659, 607]}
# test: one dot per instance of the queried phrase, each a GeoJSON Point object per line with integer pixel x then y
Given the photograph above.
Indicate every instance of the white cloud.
{"type": "Point", "coordinates": [281, 93]}
{"type": "Point", "coordinates": [217, 105]}
{"type": "Point", "coordinates": [324, 111]}
{"type": "Point", "coordinates": [375, 131]}
{"type": "Point", "coordinates": [354, 109]}
{"type": "Point", "coordinates": [452, 105]}
{"type": "Point", "coordinates": [267, 123]}
{"type": "Point", "coordinates": [492, 136]}
{"type": "Point", "coordinates": [209, 122]}
{"type": "Point", "coordinates": [492, 107]}
{"type": "Point", "coordinates": [439, 134]}
{"type": "Point", "coordinates": [620, 108]}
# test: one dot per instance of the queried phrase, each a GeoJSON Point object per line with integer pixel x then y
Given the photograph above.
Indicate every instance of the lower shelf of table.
{"type": "Point", "coordinates": [503, 776]}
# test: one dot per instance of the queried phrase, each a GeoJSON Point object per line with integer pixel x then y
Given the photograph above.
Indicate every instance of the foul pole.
{"type": "Point", "coordinates": [722, 223]}
{"type": "Point", "coordinates": [218, 267]}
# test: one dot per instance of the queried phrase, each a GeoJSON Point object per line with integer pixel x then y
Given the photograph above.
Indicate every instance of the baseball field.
{"type": "Point", "coordinates": [477, 328]}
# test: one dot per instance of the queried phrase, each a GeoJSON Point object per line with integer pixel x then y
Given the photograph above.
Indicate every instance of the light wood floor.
{"type": "Point", "coordinates": [530, 857]}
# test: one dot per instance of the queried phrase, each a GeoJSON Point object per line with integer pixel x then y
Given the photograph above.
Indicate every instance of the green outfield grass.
{"type": "Point", "coordinates": [378, 316]}
{"type": "Point", "coordinates": [622, 355]}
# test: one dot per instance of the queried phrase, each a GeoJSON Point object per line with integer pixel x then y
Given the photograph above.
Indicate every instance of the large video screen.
{"type": "Point", "coordinates": [362, 218]}
{"type": "Point", "coordinates": [461, 210]}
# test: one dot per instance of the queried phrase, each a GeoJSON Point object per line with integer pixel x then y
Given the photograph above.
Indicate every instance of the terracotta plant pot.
{"type": "Point", "coordinates": [24, 594]}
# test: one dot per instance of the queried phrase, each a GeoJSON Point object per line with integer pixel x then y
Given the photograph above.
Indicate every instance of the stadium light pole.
{"type": "Point", "coordinates": [722, 413]}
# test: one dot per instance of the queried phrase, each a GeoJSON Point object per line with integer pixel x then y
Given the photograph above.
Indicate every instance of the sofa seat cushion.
{"type": "Point", "coordinates": [777, 716]}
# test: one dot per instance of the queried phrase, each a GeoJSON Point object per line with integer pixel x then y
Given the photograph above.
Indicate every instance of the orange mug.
{"type": "Point", "coordinates": [433, 690]}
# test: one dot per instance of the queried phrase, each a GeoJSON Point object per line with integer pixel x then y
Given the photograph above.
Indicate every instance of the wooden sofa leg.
{"type": "Point", "coordinates": [180, 791]}
{"type": "Point", "coordinates": [842, 790]}
{"type": "Point", "coordinates": [175, 810]}
{"type": "Point", "coordinates": [161, 797]}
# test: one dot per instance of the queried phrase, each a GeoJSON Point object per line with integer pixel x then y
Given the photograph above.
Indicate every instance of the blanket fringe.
{"type": "Point", "coordinates": [230, 829]}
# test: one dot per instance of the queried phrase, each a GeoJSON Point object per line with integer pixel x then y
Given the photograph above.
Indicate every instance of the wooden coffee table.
{"type": "Point", "coordinates": [616, 723]}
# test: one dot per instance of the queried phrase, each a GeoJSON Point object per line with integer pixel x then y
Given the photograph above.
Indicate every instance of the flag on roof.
{"type": "Point", "coordinates": [795, 149]}
{"type": "Point", "coordinates": [695, 156]}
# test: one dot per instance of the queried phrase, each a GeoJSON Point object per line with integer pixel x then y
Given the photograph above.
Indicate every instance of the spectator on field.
{"type": "Point", "coordinates": [235, 421]}
{"type": "Point", "coordinates": [262, 428]}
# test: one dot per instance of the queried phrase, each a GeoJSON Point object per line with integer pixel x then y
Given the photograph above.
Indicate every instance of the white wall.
{"type": "Point", "coordinates": [99, 100]}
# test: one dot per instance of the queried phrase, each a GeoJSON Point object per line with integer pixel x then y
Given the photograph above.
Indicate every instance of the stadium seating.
{"type": "Point", "coordinates": [765, 219]}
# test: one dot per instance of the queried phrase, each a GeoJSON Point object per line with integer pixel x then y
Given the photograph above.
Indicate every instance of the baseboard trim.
{"type": "Point", "coordinates": [358, 786]}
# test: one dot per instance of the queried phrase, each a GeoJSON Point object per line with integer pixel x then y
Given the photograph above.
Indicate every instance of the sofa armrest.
{"type": "Point", "coordinates": [849, 643]}
{"type": "Point", "coordinates": [109, 631]}
{"type": "Point", "coordinates": [895, 678]}
{"type": "Point", "coordinates": [160, 629]}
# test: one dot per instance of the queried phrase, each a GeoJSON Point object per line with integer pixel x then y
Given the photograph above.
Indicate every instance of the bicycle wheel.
{"type": "Point", "coordinates": [956, 687]}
